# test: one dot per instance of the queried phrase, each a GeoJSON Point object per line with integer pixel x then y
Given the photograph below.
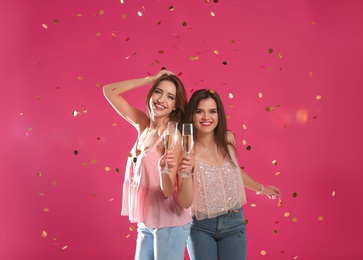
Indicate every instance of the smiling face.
{"type": "Point", "coordinates": [205, 119]}
{"type": "Point", "coordinates": [162, 100]}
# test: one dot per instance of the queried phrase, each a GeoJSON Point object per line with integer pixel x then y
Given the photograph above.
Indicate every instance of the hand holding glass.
{"type": "Point", "coordinates": [187, 144]}
{"type": "Point", "coordinates": [170, 136]}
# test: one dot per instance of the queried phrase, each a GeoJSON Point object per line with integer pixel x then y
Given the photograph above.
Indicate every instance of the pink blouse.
{"type": "Point", "coordinates": [143, 200]}
{"type": "Point", "coordinates": [217, 188]}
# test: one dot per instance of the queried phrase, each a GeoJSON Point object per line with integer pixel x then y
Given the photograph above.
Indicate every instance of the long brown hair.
{"type": "Point", "coordinates": [220, 132]}
{"type": "Point", "coordinates": [177, 115]}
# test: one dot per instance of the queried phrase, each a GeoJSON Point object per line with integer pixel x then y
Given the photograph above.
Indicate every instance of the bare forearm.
{"type": "Point", "coordinates": [185, 193]}
{"type": "Point", "coordinates": [117, 88]}
{"type": "Point", "coordinates": [249, 182]}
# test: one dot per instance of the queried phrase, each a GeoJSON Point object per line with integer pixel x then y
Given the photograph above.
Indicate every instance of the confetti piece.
{"type": "Point", "coordinates": [55, 21]}
{"type": "Point", "coordinates": [44, 26]}
{"type": "Point", "coordinates": [101, 12]}
{"type": "Point", "coordinates": [244, 142]}
{"type": "Point", "coordinates": [216, 52]}
{"type": "Point", "coordinates": [275, 231]}
{"type": "Point", "coordinates": [171, 8]}
{"type": "Point", "coordinates": [320, 218]}
{"type": "Point", "coordinates": [128, 235]}
{"type": "Point", "coordinates": [54, 183]}
{"type": "Point", "coordinates": [107, 169]}
{"type": "Point", "coordinates": [270, 109]}
{"type": "Point", "coordinates": [75, 152]}
{"type": "Point", "coordinates": [333, 194]}
{"type": "Point", "coordinates": [46, 210]}
{"type": "Point", "coordinates": [270, 50]}
{"type": "Point", "coordinates": [224, 63]}
{"type": "Point", "coordinates": [280, 55]}
{"type": "Point", "coordinates": [64, 248]}
{"type": "Point", "coordinates": [184, 23]}
{"type": "Point", "coordinates": [260, 95]}
{"type": "Point", "coordinates": [44, 234]}
{"type": "Point", "coordinates": [131, 228]}
{"type": "Point", "coordinates": [274, 162]}
{"type": "Point", "coordinates": [253, 205]}
{"type": "Point", "coordinates": [139, 13]}
{"type": "Point", "coordinates": [286, 214]}
{"type": "Point", "coordinates": [310, 73]}
{"type": "Point", "coordinates": [38, 174]}
{"type": "Point", "coordinates": [244, 126]}
{"type": "Point", "coordinates": [318, 97]}
{"type": "Point", "coordinates": [212, 14]}
{"type": "Point", "coordinates": [94, 161]}
{"type": "Point", "coordinates": [294, 219]}
{"type": "Point", "coordinates": [212, 91]}
{"type": "Point", "coordinates": [263, 252]}
{"type": "Point", "coordinates": [230, 95]}
{"type": "Point", "coordinates": [98, 34]}
{"type": "Point", "coordinates": [248, 148]}
{"type": "Point", "coordinates": [294, 194]}
{"type": "Point", "coordinates": [41, 194]}
{"type": "Point", "coordinates": [277, 173]}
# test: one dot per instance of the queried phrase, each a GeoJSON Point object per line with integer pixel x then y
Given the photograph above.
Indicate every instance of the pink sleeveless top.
{"type": "Point", "coordinates": [217, 188]}
{"type": "Point", "coordinates": [143, 200]}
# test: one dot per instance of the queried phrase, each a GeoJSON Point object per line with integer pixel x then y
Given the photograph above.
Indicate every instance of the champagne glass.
{"type": "Point", "coordinates": [170, 136]}
{"type": "Point", "coordinates": [187, 143]}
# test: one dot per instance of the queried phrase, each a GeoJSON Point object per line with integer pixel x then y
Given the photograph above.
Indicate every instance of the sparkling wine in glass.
{"type": "Point", "coordinates": [170, 136]}
{"type": "Point", "coordinates": [187, 143]}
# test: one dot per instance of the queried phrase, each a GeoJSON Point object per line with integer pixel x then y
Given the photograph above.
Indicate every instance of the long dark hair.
{"type": "Point", "coordinates": [177, 115]}
{"type": "Point", "coordinates": [220, 132]}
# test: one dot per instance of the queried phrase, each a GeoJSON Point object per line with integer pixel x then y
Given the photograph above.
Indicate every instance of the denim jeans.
{"type": "Point", "coordinates": [223, 237]}
{"type": "Point", "coordinates": [161, 243]}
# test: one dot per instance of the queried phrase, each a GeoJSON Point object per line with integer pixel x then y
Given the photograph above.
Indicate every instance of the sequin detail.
{"type": "Point", "coordinates": [218, 188]}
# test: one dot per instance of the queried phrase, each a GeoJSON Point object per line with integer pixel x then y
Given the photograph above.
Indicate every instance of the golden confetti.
{"type": "Point", "coordinates": [44, 26]}
{"type": "Point", "coordinates": [128, 235]}
{"type": "Point", "coordinates": [270, 50]}
{"type": "Point", "coordinates": [248, 148]}
{"type": "Point", "coordinates": [263, 252]}
{"type": "Point", "coordinates": [75, 152]}
{"type": "Point", "coordinates": [131, 228]}
{"type": "Point", "coordinates": [224, 63]}
{"type": "Point", "coordinates": [310, 73]}
{"type": "Point", "coordinates": [260, 95]}
{"type": "Point", "coordinates": [55, 21]}
{"type": "Point", "coordinates": [117, 170]}
{"type": "Point", "coordinates": [212, 14]}
{"type": "Point", "coordinates": [54, 183]}
{"type": "Point", "coordinates": [294, 219]}
{"type": "Point", "coordinates": [274, 162]}
{"type": "Point", "coordinates": [78, 15]}
{"type": "Point", "coordinates": [279, 202]}
{"type": "Point", "coordinates": [184, 23]}
{"type": "Point", "coordinates": [101, 12]}
{"type": "Point", "coordinates": [84, 111]}
{"type": "Point", "coordinates": [111, 199]}
{"type": "Point", "coordinates": [275, 231]}
{"type": "Point", "coordinates": [295, 257]}
{"type": "Point", "coordinates": [216, 51]}
{"type": "Point", "coordinates": [94, 161]}
{"type": "Point", "coordinates": [121, 1]}
{"type": "Point", "coordinates": [230, 95]}
{"type": "Point", "coordinates": [46, 210]}
{"type": "Point", "coordinates": [253, 205]}
{"type": "Point", "coordinates": [98, 34]}
{"type": "Point", "coordinates": [294, 194]}
{"type": "Point", "coordinates": [277, 173]}
{"type": "Point", "coordinates": [280, 55]}
{"type": "Point", "coordinates": [161, 51]}
{"type": "Point", "coordinates": [270, 109]}
{"type": "Point", "coordinates": [158, 22]}
{"type": "Point", "coordinates": [79, 78]}
{"type": "Point", "coordinates": [123, 16]}
{"type": "Point", "coordinates": [85, 164]}
{"type": "Point", "coordinates": [107, 169]}
{"type": "Point", "coordinates": [333, 194]}
{"type": "Point", "coordinates": [64, 248]}
{"type": "Point", "coordinates": [244, 142]}
{"type": "Point", "coordinates": [212, 91]}
{"type": "Point", "coordinates": [37, 97]}
{"type": "Point", "coordinates": [313, 23]}
{"type": "Point", "coordinates": [44, 234]}
{"type": "Point", "coordinates": [139, 13]}
{"type": "Point", "coordinates": [114, 124]}
{"type": "Point", "coordinates": [286, 214]}
{"type": "Point", "coordinates": [320, 218]}
{"type": "Point", "coordinates": [39, 174]}
{"type": "Point", "coordinates": [244, 126]}
{"type": "Point", "coordinates": [318, 97]}
{"type": "Point", "coordinates": [171, 8]}
{"type": "Point", "coordinates": [21, 114]}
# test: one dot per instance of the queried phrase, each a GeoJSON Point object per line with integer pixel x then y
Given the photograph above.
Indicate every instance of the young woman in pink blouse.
{"type": "Point", "coordinates": [154, 200]}
{"type": "Point", "coordinates": [218, 228]}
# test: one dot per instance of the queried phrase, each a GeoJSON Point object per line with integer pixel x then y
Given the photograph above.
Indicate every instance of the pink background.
{"type": "Point", "coordinates": [57, 55]}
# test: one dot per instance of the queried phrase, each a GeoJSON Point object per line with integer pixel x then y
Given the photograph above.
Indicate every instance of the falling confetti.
{"type": "Point", "coordinates": [274, 162]}
{"type": "Point", "coordinates": [294, 219]}
{"type": "Point", "coordinates": [44, 234]}
{"type": "Point", "coordinates": [320, 218]}
{"type": "Point", "coordinates": [318, 97]}
{"type": "Point", "coordinates": [263, 252]}
{"type": "Point", "coordinates": [44, 26]}
{"type": "Point", "coordinates": [248, 148]}
{"type": "Point", "coordinates": [294, 194]}
{"type": "Point", "coordinates": [270, 50]}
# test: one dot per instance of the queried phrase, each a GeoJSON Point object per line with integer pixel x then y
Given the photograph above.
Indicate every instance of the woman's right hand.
{"type": "Point", "coordinates": [186, 165]}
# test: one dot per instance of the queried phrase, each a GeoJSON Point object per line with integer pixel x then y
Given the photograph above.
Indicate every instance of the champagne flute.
{"type": "Point", "coordinates": [170, 136]}
{"type": "Point", "coordinates": [187, 143]}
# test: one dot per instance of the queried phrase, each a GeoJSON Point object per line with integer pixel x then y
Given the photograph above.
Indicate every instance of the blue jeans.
{"type": "Point", "coordinates": [161, 243]}
{"type": "Point", "coordinates": [223, 237]}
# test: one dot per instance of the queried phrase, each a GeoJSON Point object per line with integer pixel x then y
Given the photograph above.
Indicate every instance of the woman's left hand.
{"type": "Point", "coordinates": [271, 192]}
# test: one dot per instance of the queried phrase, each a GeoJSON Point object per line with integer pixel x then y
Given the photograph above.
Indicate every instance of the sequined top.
{"type": "Point", "coordinates": [217, 188]}
{"type": "Point", "coordinates": [143, 199]}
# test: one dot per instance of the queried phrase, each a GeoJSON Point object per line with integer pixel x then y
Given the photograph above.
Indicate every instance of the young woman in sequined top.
{"type": "Point", "coordinates": [218, 228]}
